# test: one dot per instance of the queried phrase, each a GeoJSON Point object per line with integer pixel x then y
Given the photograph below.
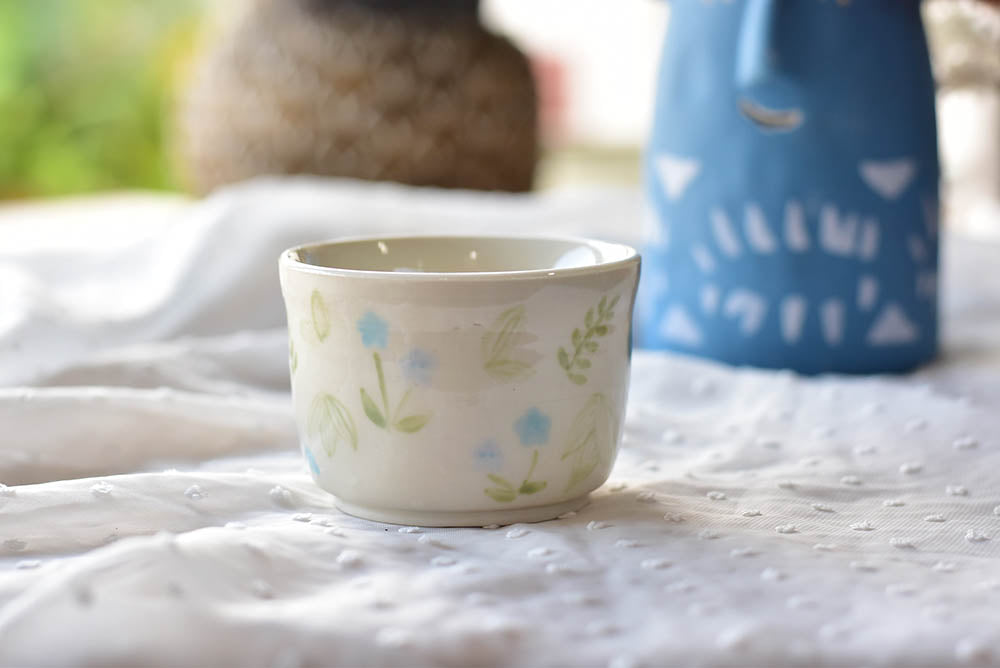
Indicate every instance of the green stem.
{"type": "Point", "coordinates": [402, 402]}
{"type": "Point", "coordinates": [381, 384]}
{"type": "Point", "coordinates": [534, 461]}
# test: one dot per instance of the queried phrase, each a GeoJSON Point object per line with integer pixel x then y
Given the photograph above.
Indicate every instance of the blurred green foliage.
{"type": "Point", "coordinates": [86, 90]}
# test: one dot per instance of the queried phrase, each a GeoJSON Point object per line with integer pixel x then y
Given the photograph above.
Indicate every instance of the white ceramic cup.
{"type": "Point", "coordinates": [459, 381]}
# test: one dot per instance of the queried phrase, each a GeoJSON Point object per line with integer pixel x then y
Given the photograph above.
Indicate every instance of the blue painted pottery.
{"type": "Point", "coordinates": [792, 181]}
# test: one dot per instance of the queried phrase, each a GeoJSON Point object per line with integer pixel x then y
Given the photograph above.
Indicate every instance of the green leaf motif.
{"type": "Point", "coordinates": [331, 423]}
{"type": "Point", "coordinates": [591, 440]}
{"type": "Point", "coordinates": [498, 341]}
{"type": "Point", "coordinates": [584, 341]}
{"type": "Point", "coordinates": [293, 356]}
{"type": "Point", "coordinates": [509, 369]}
{"type": "Point", "coordinates": [412, 423]}
{"type": "Point", "coordinates": [500, 495]}
{"type": "Point", "coordinates": [530, 487]}
{"type": "Point", "coordinates": [372, 410]}
{"type": "Point", "coordinates": [499, 346]}
{"type": "Point", "coordinates": [505, 492]}
{"type": "Point", "coordinates": [320, 316]}
{"type": "Point", "coordinates": [503, 482]}
{"type": "Point", "coordinates": [563, 358]}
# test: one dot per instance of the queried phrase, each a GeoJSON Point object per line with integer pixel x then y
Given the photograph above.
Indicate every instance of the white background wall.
{"type": "Point", "coordinates": [611, 50]}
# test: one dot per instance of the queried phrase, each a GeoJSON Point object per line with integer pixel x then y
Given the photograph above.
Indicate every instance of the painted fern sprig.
{"type": "Point", "coordinates": [584, 342]}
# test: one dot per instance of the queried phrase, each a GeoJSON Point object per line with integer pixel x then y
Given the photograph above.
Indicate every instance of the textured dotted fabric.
{"type": "Point", "coordinates": [155, 510]}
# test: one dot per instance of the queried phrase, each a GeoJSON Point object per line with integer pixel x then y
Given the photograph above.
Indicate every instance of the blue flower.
{"type": "Point", "coordinates": [488, 456]}
{"type": "Point", "coordinates": [417, 366]}
{"type": "Point", "coordinates": [374, 330]}
{"type": "Point", "coordinates": [533, 427]}
{"type": "Point", "coordinates": [313, 466]}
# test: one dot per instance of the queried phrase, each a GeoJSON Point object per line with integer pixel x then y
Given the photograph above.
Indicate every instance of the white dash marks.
{"type": "Point", "coordinates": [831, 315]}
{"type": "Point", "coordinates": [927, 284]}
{"type": "Point", "coordinates": [868, 244]}
{"type": "Point", "coordinates": [793, 316]}
{"type": "Point", "coordinates": [725, 236]}
{"type": "Point", "coordinates": [796, 236]}
{"type": "Point", "coordinates": [917, 248]}
{"type": "Point", "coordinates": [837, 233]}
{"type": "Point", "coordinates": [867, 292]}
{"type": "Point", "coordinates": [703, 258]}
{"type": "Point", "coordinates": [757, 232]}
{"type": "Point", "coordinates": [749, 307]}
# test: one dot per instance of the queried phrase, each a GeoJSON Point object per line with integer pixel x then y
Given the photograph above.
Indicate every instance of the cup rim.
{"type": "Point", "coordinates": [625, 256]}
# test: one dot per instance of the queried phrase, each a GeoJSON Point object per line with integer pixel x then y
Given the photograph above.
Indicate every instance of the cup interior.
{"type": "Point", "coordinates": [459, 255]}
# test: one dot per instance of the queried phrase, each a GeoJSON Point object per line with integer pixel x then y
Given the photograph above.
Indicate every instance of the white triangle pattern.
{"type": "Point", "coordinates": [892, 327]}
{"type": "Point", "coordinates": [677, 326]}
{"type": "Point", "coordinates": [889, 178]}
{"type": "Point", "coordinates": [676, 173]}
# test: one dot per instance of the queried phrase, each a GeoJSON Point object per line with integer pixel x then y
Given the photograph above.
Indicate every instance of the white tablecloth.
{"type": "Point", "coordinates": [157, 511]}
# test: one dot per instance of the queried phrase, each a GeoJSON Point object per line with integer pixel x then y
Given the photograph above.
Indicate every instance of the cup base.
{"type": "Point", "coordinates": [473, 518]}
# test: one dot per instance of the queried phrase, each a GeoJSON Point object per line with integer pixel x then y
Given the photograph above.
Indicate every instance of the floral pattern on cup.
{"type": "Point", "coordinates": [488, 456]}
{"type": "Point", "coordinates": [320, 316]}
{"type": "Point", "coordinates": [584, 342]}
{"type": "Point", "coordinates": [330, 423]}
{"type": "Point", "coordinates": [311, 460]}
{"type": "Point", "coordinates": [503, 358]}
{"type": "Point", "coordinates": [374, 331]}
{"type": "Point", "coordinates": [591, 439]}
{"type": "Point", "coordinates": [417, 367]}
{"type": "Point", "coordinates": [532, 429]}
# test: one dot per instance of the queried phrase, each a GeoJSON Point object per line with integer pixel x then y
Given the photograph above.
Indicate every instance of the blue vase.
{"type": "Point", "coordinates": [792, 184]}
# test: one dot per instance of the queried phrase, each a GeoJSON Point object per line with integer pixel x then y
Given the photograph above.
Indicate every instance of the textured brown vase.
{"type": "Point", "coordinates": [413, 92]}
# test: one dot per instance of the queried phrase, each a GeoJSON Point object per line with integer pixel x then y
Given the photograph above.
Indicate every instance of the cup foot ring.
{"type": "Point", "coordinates": [462, 518]}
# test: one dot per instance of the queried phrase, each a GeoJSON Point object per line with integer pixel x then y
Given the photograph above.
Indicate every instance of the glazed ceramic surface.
{"type": "Point", "coordinates": [459, 381]}
{"type": "Point", "coordinates": [792, 180]}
